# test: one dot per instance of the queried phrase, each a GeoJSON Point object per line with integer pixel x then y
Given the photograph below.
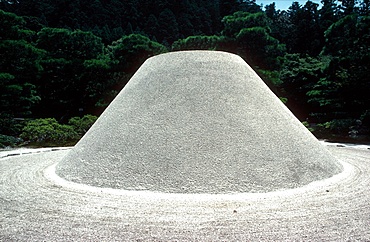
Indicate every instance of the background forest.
{"type": "Point", "coordinates": [63, 61]}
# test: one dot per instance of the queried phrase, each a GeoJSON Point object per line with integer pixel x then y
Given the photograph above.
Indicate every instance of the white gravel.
{"type": "Point", "coordinates": [197, 122]}
{"type": "Point", "coordinates": [35, 205]}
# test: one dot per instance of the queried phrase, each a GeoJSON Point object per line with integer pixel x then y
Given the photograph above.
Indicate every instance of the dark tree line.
{"type": "Point", "coordinates": [65, 58]}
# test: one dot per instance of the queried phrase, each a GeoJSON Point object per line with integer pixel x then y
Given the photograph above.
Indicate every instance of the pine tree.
{"type": "Point", "coordinates": [365, 8]}
{"type": "Point", "coordinates": [348, 7]}
{"type": "Point", "coordinates": [151, 27]}
{"type": "Point", "coordinates": [169, 28]}
{"type": "Point", "coordinates": [228, 7]}
{"type": "Point", "coordinates": [328, 14]}
{"type": "Point", "coordinates": [271, 12]}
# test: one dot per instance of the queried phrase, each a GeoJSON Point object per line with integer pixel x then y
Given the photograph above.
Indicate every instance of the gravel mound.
{"type": "Point", "coordinates": [197, 122]}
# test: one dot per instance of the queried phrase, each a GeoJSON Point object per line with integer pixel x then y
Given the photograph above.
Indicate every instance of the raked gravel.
{"type": "Point", "coordinates": [37, 205]}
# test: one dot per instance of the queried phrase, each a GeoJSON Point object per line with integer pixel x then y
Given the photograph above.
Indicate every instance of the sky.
{"type": "Point", "coordinates": [284, 4]}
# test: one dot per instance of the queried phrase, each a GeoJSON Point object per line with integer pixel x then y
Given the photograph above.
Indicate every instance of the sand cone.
{"type": "Point", "coordinates": [197, 122]}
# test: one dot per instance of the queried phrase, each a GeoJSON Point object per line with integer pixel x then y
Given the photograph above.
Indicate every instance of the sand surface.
{"type": "Point", "coordinates": [36, 205]}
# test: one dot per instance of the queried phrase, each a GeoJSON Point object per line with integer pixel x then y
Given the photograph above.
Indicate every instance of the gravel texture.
{"type": "Point", "coordinates": [197, 122]}
{"type": "Point", "coordinates": [37, 205]}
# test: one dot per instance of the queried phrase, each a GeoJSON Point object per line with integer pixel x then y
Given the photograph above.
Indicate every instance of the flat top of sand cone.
{"type": "Point", "coordinates": [197, 122]}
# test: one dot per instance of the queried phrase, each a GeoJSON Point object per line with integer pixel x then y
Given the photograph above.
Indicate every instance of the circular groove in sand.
{"type": "Point", "coordinates": [34, 205]}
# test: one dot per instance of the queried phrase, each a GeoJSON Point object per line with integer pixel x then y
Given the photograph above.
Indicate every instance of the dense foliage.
{"type": "Point", "coordinates": [60, 59]}
{"type": "Point", "coordinates": [49, 131]}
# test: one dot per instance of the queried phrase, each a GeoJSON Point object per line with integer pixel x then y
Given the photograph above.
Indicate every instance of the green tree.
{"type": "Point", "coordinates": [310, 35]}
{"type": "Point", "coordinates": [19, 68]}
{"type": "Point", "coordinates": [19, 64]}
{"type": "Point", "coordinates": [343, 36]}
{"type": "Point", "coordinates": [328, 14]}
{"type": "Point", "coordinates": [343, 92]}
{"type": "Point", "coordinates": [252, 35]}
{"type": "Point", "coordinates": [117, 33]}
{"type": "Point", "coordinates": [259, 48]}
{"type": "Point", "coordinates": [63, 43]}
{"type": "Point", "coordinates": [299, 74]}
{"type": "Point", "coordinates": [75, 66]}
{"type": "Point", "coordinates": [295, 16]}
{"type": "Point", "coordinates": [16, 100]}
{"type": "Point", "coordinates": [365, 8]}
{"type": "Point", "coordinates": [28, 8]}
{"type": "Point", "coordinates": [213, 42]}
{"type": "Point", "coordinates": [151, 27]}
{"type": "Point", "coordinates": [203, 21]}
{"type": "Point", "coordinates": [250, 6]}
{"type": "Point", "coordinates": [271, 12]}
{"type": "Point", "coordinates": [234, 23]}
{"type": "Point", "coordinates": [304, 28]}
{"type": "Point", "coordinates": [12, 27]}
{"type": "Point", "coordinates": [348, 7]}
{"type": "Point", "coordinates": [281, 28]}
{"type": "Point", "coordinates": [132, 50]}
{"type": "Point", "coordinates": [168, 27]}
{"type": "Point", "coordinates": [228, 7]}
{"type": "Point", "coordinates": [98, 78]}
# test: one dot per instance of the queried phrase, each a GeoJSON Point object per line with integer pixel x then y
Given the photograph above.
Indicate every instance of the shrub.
{"type": "Point", "coordinates": [308, 126]}
{"type": "Point", "coordinates": [82, 125]}
{"type": "Point", "coordinates": [9, 125]}
{"type": "Point", "coordinates": [365, 118]}
{"type": "Point", "coordinates": [48, 130]}
{"type": "Point", "coordinates": [339, 125]}
{"type": "Point", "coordinates": [6, 141]}
{"type": "Point", "coordinates": [283, 99]}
